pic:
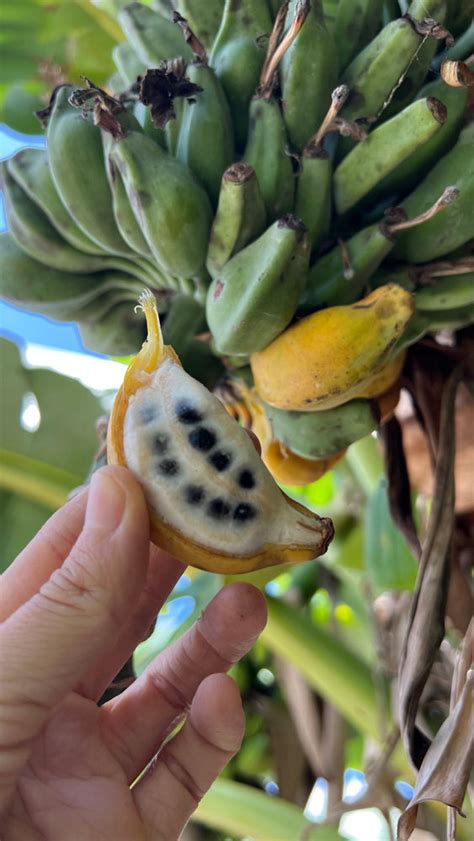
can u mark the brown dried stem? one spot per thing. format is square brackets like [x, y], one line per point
[276, 50]
[449, 195]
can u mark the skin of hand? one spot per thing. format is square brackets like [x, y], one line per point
[73, 607]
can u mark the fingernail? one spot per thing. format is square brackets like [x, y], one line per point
[105, 503]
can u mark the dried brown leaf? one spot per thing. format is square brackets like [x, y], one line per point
[426, 624]
[444, 773]
[399, 495]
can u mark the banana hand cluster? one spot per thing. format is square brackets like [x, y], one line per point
[297, 192]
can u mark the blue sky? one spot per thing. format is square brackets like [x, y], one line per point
[15, 323]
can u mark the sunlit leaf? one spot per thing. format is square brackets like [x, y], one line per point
[27, 517]
[389, 562]
[41, 43]
[317, 494]
[39, 468]
[329, 667]
[246, 812]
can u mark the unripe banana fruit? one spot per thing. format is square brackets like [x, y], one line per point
[255, 296]
[212, 503]
[317, 435]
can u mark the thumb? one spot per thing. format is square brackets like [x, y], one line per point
[50, 642]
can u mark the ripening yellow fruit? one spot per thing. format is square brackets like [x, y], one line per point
[326, 358]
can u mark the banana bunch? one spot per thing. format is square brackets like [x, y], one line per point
[293, 181]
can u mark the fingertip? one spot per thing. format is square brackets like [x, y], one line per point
[240, 609]
[116, 500]
[249, 602]
[122, 476]
[217, 713]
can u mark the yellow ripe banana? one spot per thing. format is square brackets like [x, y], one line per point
[288, 468]
[212, 502]
[326, 358]
[384, 378]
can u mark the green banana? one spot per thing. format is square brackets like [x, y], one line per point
[184, 320]
[446, 293]
[96, 309]
[413, 168]
[170, 206]
[402, 275]
[417, 327]
[340, 275]
[385, 148]
[461, 49]
[153, 37]
[127, 224]
[391, 10]
[267, 152]
[416, 73]
[460, 15]
[313, 201]
[256, 294]
[356, 24]
[143, 115]
[173, 127]
[308, 75]
[451, 319]
[30, 169]
[123, 213]
[206, 136]
[237, 57]
[204, 18]
[320, 434]
[127, 63]
[27, 283]
[240, 216]
[330, 12]
[76, 160]
[376, 71]
[439, 236]
[35, 235]
[119, 333]
[427, 321]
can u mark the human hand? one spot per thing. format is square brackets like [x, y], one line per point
[74, 605]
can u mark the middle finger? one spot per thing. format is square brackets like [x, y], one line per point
[163, 573]
[136, 722]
